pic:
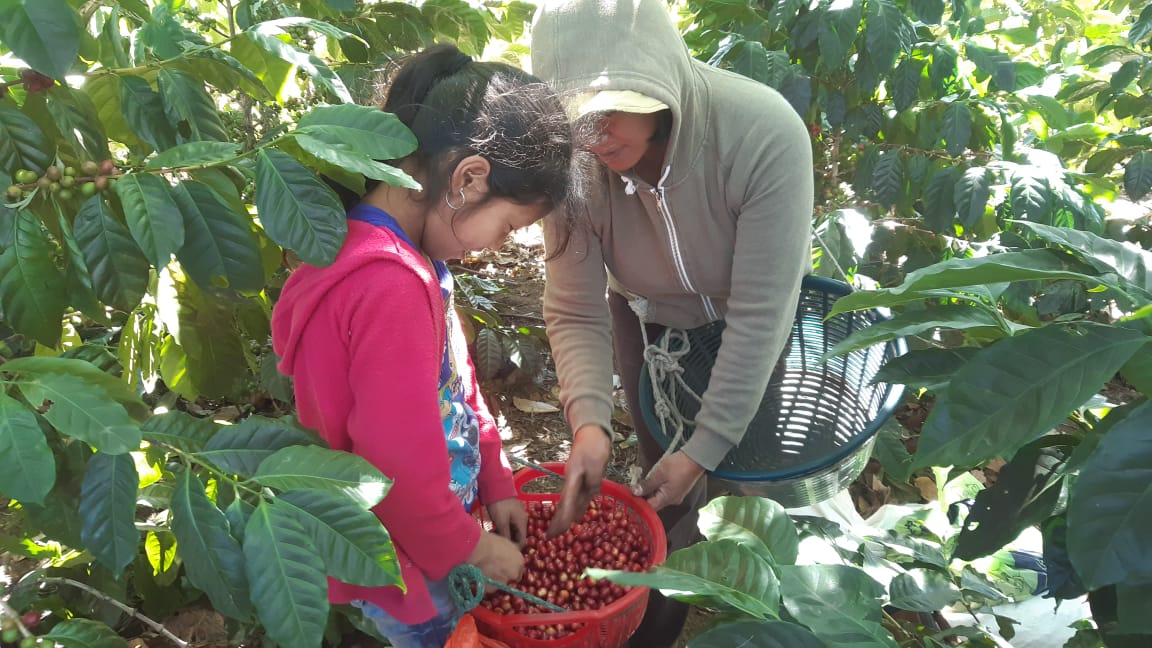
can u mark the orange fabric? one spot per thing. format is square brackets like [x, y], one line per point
[468, 636]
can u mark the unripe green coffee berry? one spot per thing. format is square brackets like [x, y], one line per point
[67, 181]
[53, 173]
[24, 176]
[69, 171]
[54, 187]
[10, 635]
[88, 189]
[15, 192]
[65, 194]
[89, 168]
[29, 642]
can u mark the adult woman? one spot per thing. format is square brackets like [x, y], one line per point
[705, 215]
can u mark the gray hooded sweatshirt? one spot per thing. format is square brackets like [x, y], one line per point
[725, 234]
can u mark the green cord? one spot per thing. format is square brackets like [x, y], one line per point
[466, 583]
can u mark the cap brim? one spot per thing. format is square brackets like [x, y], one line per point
[614, 101]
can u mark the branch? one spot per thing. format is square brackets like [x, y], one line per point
[158, 627]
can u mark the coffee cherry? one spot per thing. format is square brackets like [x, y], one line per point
[88, 189]
[69, 171]
[65, 194]
[29, 642]
[107, 167]
[10, 635]
[67, 181]
[24, 176]
[14, 193]
[30, 619]
[53, 173]
[89, 168]
[101, 183]
[54, 186]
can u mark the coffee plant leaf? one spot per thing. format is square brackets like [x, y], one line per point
[957, 127]
[923, 367]
[269, 40]
[83, 633]
[97, 378]
[1110, 504]
[722, 574]
[838, 603]
[108, 510]
[490, 354]
[316, 468]
[1130, 262]
[297, 210]
[205, 153]
[76, 119]
[153, 218]
[348, 158]
[43, 33]
[29, 467]
[142, 109]
[972, 192]
[1020, 387]
[756, 522]
[356, 548]
[239, 449]
[922, 590]
[371, 131]
[286, 573]
[190, 110]
[1138, 175]
[118, 268]
[213, 559]
[916, 322]
[757, 634]
[32, 289]
[180, 430]
[83, 410]
[220, 249]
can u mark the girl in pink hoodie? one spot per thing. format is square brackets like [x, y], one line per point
[380, 364]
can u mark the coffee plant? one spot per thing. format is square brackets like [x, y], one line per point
[164, 163]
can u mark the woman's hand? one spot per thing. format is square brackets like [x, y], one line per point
[510, 520]
[670, 480]
[591, 448]
[498, 558]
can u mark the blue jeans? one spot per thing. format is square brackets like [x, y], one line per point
[432, 633]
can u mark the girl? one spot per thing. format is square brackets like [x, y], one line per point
[380, 364]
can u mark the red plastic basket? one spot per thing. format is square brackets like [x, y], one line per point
[611, 625]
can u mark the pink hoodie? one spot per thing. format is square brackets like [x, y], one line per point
[364, 341]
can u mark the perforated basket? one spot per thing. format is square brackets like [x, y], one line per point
[611, 625]
[816, 424]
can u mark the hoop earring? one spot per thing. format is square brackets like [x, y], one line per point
[463, 200]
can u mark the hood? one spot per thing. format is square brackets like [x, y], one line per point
[304, 294]
[589, 45]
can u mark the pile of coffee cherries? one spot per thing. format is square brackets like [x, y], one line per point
[606, 538]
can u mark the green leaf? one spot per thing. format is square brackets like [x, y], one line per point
[180, 430]
[1142, 27]
[888, 178]
[721, 574]
[770, 67]
[195, 154]
[757, 634]
[1025, 493]
[905, 83]
[1020, 387]
[887, 32]
[347, 158]
[220, 248]
[837, 31]
[1105, 255]
[118, 268]
[83, 410]
[1030, 195]
[971, 195]
[940, 201]
[925, 367]
[995, 64]
[489, 357]
[1110, 508]
[213, 560]
[29, 467]
[369, 131]
[316, 468]
[321, 74]
[957, 127]
[77, 120]
[223, 71]
[1134, 610]
[287, 577]
[922, 590]
[96, 377]
[960, 272]
[31, 288]
[81, 292]
[839, 603]
[891, 452]
[239, 449]
[915, 322]
[153, 217]
[83, 633]
[759, 523]
[43, 33]
[215, 364]
[355, 547]
[942, 73]
[189, 108]
[1138, 370]
[108, 510]
[298, 211]
[143, 110]
[929, 12]
[1138, 175]
[22, 143]
[458, 21]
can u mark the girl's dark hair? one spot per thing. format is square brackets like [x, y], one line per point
[458, 107]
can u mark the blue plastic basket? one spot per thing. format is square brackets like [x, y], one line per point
[813, 433]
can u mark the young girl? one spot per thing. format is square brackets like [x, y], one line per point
[380, 364]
